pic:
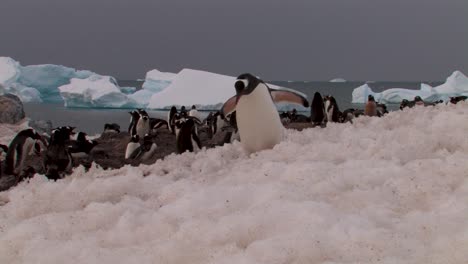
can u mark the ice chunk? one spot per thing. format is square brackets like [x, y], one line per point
[456, 85]
[47, 78]
[95, 91]
[9, 71]
[193, 87]
[338, 80]
[157, 81]
[128, 90]
[25, 94]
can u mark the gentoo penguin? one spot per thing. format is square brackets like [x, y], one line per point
[170, 116]
[257, 118]
[133, 122]
[147, 149]
[418, 101]
[132, 146]
[58, 160]
[156, 123]
[19, 149]
[456, 99]
[183, 112]
[194, 112]
[111, 128]
[82, 144]
[317, 110]
[298, 118]
[331, 109]
[143, 125]
[381, 109]
[371, 107]
[186, 135]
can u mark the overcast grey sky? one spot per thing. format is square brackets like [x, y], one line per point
[275, 39]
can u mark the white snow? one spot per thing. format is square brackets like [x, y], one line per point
[95, 91]
[455, 85]
[338, 80]
[381, 190]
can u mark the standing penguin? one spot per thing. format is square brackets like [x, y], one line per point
[186, 135]
[257, 118]
[371, 107]
[143, 125]
[82, 144]
[19, 149]
[170, 116]
[135, 116]
[58, 159]
[317, 110]
[332, 109]
[147, 149]
[132, 146]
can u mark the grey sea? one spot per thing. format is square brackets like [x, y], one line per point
[92, 120]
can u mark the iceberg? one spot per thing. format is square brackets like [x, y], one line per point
[10, 72]
[95, 91]
[338, 80]
[455, 85]
[206, 90]
[157, 81]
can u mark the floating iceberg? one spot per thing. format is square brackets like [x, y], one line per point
[338, 80]
[95, 91]
[206, 90]
[157, 81]
[36, 83]
[455, 85]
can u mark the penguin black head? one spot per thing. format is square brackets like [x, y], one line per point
[193, 107]
[135, 139]
[135, 115]
[245, 84]
[81, 136]
[371, 98]
[417, 99]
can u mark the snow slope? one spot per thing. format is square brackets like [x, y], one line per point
[388, 190]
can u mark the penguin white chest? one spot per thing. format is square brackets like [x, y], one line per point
[258, 121]
[131, 148]
[142, 127]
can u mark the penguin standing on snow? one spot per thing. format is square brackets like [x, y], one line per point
[317, 110]
[138, 151]
[170, 117]
[257, 118]
[143, 125]
[371, 107]
[135, 116]
[19, 149]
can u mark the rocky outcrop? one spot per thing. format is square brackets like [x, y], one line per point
[11, 109]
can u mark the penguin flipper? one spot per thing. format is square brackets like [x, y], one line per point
[229, 106]
[137, 153]
[289, 96]
[196, 138]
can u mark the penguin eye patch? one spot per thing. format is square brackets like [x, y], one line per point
[240, 85]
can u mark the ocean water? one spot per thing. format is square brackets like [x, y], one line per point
[92, 120]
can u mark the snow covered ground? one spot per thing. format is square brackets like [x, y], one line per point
[381, 190]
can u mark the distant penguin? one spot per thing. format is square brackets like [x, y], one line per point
[186, 136]
[111, 128]
[456, 99]
[194, 112]
[381, 109]
[132, 147]
[183, 112]
[156, 123]
[133, 122]
[170, 117]
[418, 101]
[82, 144]
[317, 110]
[143, 125]
[332, 110]
[19, 149]
[258, 120]
[58, 160]
[371, 107]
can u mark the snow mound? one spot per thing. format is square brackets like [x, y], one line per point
[381, 190]
[96, 91]
[204, 89]
[455, 85]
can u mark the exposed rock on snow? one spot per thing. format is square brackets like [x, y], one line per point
[11, 109]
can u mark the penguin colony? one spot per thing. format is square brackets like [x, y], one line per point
[250, 116]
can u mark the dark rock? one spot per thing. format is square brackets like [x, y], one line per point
[11, 109]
